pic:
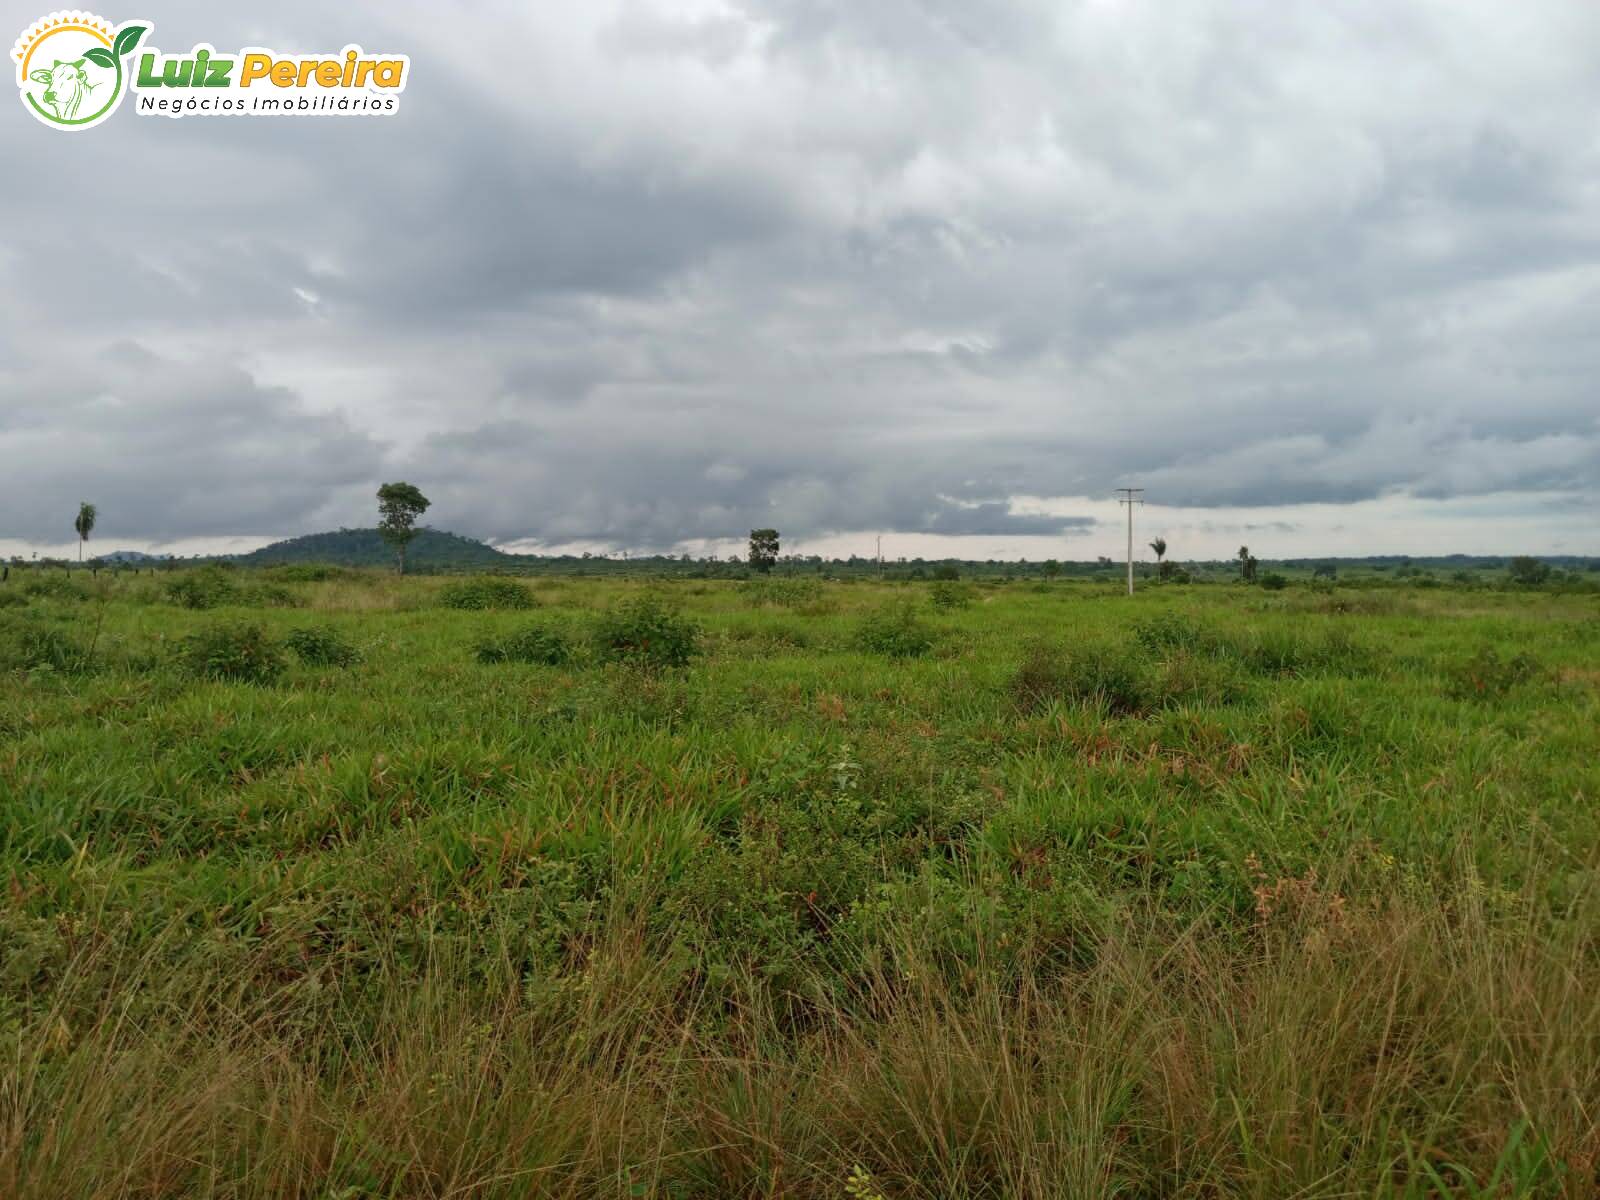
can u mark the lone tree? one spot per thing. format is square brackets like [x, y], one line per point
[84, 524]
[1163, 567]
[399, 506]
[763, 549]
[1247, 565]
[1526, 569]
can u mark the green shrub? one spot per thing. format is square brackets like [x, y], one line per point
[12, 599]
[645, 632]
[895, 632]
[535, 644]
[31, 646]
[480, 594]
[1487, 676]
[208, 587]
[267, 595]
[1294, 652]
[322, 646]
[54, 587]
[1169, 631]
[786, 592]
[1198, 679]
[1273, 582]
[238, 652]
[1106, 675]
[307, 573]
[947, 594]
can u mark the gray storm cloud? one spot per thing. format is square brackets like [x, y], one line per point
[674, 270]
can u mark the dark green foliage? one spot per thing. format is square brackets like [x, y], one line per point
[763, 549]
[1274, 582]
[1191, 678]
[429, 548]
[644, 631]
[486, 593]
[234, 652]
[32, 646]
[322, 646]
[1097, 673]
[267, 595]
[895, 632]
[534, 644]
[310, 573]
[52, 586]
[947, 571]
[1488, 676]
[1170, 631]
[947, 595]
[1278, 651]
[209, 587]
[786, 591]
[399, 507]
[1528, 571]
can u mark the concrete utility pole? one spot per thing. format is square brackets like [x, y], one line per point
[1130, 497]
[880, 556]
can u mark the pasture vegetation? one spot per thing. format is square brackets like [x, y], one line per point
[325, 883]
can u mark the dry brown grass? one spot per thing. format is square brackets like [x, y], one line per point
[1320, 1056]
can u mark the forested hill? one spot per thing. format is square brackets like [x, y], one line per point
[366, 548]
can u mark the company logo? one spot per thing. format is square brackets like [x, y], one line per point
[71, 68]
[74, 67]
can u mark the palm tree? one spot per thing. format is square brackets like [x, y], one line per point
[84, 525]
[1244, 559]
[1160, 547]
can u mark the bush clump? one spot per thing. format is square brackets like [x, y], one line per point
[948, 594]
[208, 587]
[535, 644]
[235, 652]
[307, 573]
[33, 647]
[322, 646]
[1487, 676]
[1290, 652]
[1273, 582]
[477, 595]
[645, 632]
[1097, 674]
[783, 592]
[268, 595]
[1168, 632]
[895, 632]
[54, 587]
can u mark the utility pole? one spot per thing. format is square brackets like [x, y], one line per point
[1130, 497]
[880, 556]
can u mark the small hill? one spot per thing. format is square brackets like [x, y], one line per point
[366, 548]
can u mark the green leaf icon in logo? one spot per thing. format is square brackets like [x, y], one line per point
[128, 38]
[100, 57]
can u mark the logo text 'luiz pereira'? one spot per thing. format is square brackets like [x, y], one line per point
[73, 69]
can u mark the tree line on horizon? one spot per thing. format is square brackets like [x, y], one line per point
[401, 505]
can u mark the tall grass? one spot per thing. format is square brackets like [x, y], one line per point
[1204, 894]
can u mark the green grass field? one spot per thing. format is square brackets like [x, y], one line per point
[891, 891]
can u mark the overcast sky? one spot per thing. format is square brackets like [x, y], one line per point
[1322, 277]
